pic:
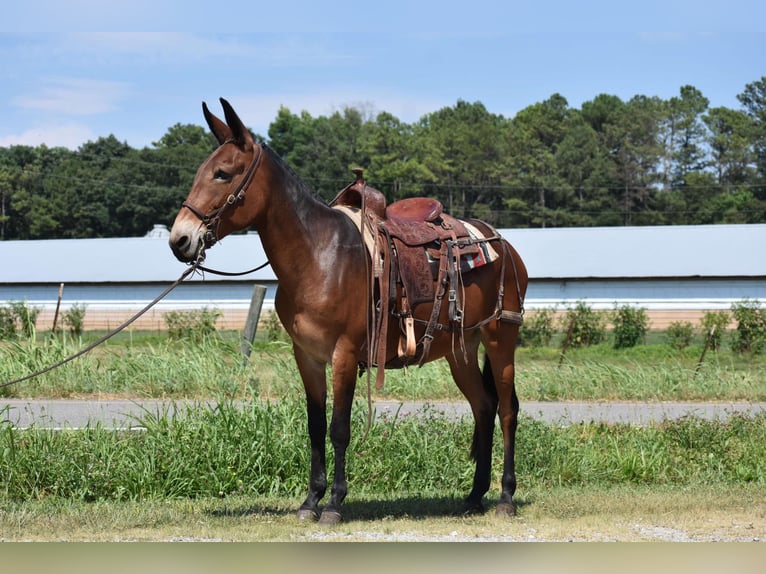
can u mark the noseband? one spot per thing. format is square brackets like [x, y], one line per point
[213, 219]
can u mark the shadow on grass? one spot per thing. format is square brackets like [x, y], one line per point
[408, 507]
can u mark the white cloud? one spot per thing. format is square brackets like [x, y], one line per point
[259, 111]
[246, 50]
[75, 96]
[70, 136]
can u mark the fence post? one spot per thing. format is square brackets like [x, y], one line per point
[567, 340]
[708, 343]
[251, 325]
[58, 306]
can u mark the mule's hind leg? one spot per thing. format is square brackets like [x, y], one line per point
[500, 343]
[315, 383]
[483, 401]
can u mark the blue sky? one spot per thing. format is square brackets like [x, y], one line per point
[62, 83]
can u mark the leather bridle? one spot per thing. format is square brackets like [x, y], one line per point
[212, 219]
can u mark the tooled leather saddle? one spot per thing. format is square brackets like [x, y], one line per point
[418, 254]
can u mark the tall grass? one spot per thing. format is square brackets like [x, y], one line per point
[261, 449]
[154, 366]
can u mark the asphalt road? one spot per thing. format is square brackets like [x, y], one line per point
[126, 414]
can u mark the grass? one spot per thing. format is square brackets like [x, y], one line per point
[255, 449]
[141, 365]
[230, 472]
[582, 513]
[238, 470]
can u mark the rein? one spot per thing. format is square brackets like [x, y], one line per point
[109, 335]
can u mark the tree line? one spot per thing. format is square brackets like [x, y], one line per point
[644, 161]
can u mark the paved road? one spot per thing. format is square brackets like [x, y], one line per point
[125, 414]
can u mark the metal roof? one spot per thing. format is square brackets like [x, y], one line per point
[553, 253]
[638, 252]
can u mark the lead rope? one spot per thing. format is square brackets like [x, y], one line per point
[194, 267]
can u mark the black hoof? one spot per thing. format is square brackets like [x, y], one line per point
[473, 508]
[505, 510]
[330, 518]
[308, 514]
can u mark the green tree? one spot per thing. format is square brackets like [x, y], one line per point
[729, 141]
[682, 135]
[397, 165]
[633, 144]
[534, 138]
[471, 155]
[753, 100]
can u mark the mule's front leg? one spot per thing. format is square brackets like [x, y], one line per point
[344, 383]
[314, 381]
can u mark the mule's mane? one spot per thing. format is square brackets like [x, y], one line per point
[296, 180]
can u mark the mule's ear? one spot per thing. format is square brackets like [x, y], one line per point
[220, 130]
[239, 133]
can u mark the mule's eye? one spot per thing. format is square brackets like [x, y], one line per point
[221, 175]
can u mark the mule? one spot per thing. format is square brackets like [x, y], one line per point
[322, 265]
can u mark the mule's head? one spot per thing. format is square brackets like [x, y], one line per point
[215, 206]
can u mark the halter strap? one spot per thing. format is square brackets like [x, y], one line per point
[212, 219]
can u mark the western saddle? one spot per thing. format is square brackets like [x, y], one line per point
[418, 255]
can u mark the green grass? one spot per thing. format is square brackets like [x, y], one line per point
[238, 470]
[557, 513]
[260, 449]
[149, 365]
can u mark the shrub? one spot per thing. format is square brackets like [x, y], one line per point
[715, 323]
[630, 326]
[18, 316]
[74, 318]
[26, 316]
[195, 325]
[7, 324]
[587, 325]
[679, 334]
[750, 333]
[274, 329]
[538, 328]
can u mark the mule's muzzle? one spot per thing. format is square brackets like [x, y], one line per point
[188, 246]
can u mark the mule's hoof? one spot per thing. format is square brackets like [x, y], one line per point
[473, 509]
[307, 515]
[330, 518]
[505, 510]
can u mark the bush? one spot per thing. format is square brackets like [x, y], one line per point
[538, 328]
[195, 325]
[679, 334]
[750, 334]
[18, 316]
[587, 325]
[7, 324]
[74, 318]
[630, 326]
[715, 323]
[274, 329]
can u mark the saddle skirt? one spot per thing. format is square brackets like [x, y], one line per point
[418, 255]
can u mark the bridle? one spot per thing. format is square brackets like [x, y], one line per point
[212, 220]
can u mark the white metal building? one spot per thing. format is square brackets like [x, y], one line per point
[670, 271]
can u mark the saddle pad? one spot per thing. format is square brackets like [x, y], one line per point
[355, 215]
[486, 253]
[477, 255]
